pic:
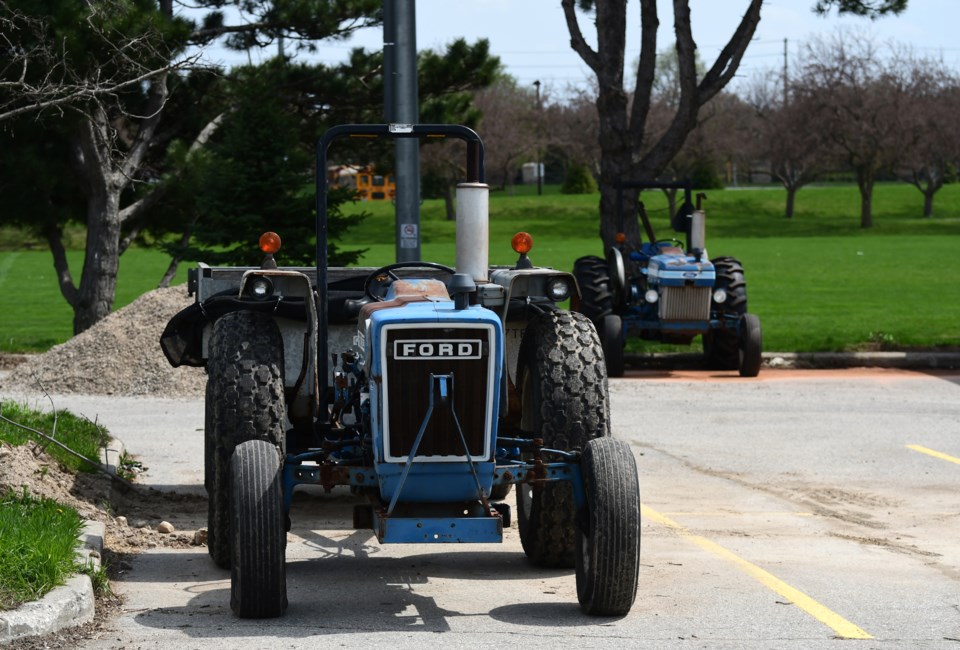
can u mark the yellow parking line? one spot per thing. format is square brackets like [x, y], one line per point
[728, 513]
[843, 628]
[935, 454]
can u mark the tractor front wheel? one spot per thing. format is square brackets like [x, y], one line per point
[608, 544]
[258, 579]
[721, 346]
[611, 335]
[751, 346]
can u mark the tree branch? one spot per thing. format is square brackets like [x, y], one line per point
[54, 236]
[725, 67]
[646, 69]
[577, 41]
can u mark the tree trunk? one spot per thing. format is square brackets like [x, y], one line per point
[98, 281]
[671, 202]
[928, 202]
[865, 183]
[791, 201]
[448, 202]
[176, 259]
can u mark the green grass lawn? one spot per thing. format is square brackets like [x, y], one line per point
[817, 281]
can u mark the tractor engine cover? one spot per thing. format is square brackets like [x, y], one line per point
[434, 368]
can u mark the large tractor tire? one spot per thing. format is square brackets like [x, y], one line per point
[245, 401]
[563, 390]
[596, 298]
[608, 544]
[751, 346]
[721, 348]
[258, 578]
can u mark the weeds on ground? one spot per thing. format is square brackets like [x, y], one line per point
[20, 424]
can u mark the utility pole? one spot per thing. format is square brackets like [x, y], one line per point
[785, 78]
[539, 179]
[402, 106]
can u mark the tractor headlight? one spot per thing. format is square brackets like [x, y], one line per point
[260, 288]
[720, 296]
[559, 289]
[651, 296]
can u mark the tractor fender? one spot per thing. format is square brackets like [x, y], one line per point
[292, 305]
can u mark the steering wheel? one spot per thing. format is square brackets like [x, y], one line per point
[669, 242]
[375, 286]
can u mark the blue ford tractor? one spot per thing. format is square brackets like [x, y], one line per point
[670, 291]
[428, 391]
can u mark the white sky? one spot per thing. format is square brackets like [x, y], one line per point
[531, 39]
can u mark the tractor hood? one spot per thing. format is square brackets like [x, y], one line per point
[680, 271]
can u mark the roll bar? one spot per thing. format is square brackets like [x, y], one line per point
[475, 174]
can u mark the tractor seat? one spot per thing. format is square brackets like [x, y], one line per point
[406, 292]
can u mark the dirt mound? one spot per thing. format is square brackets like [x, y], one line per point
[120, 355]
[131, 513]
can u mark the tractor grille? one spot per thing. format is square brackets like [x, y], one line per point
[685, 303]
[412, 356]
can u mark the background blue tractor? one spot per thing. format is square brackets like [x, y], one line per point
[428, 391]
[668, 290]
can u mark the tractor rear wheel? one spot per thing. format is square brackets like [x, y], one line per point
[593, 278]
[751, 346]
[258, 578]
[563, 391]
[245, 401]
[608, 544]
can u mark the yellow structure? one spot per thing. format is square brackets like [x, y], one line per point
[369, 185]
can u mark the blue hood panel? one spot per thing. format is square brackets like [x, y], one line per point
[680, 270]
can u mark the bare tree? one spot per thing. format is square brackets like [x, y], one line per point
[931, 107]
[859, 99]
[510, 127]
[573, 129]
[626, 152]
[786, 137]
[37, 73]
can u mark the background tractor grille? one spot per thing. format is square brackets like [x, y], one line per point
[685, 303]
[408, 395]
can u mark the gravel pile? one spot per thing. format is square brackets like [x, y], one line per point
[120, 355]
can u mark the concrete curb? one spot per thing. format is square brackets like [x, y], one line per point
[824, 360]
[66, 606]
[905, 360]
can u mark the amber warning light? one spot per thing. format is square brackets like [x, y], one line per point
[269, 242]
[522, 242]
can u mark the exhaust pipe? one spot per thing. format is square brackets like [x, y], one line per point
[473, 234]
[698, 230]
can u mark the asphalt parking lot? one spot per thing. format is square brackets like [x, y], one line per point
[805, 509]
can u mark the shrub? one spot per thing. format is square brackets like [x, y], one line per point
[578, 180]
